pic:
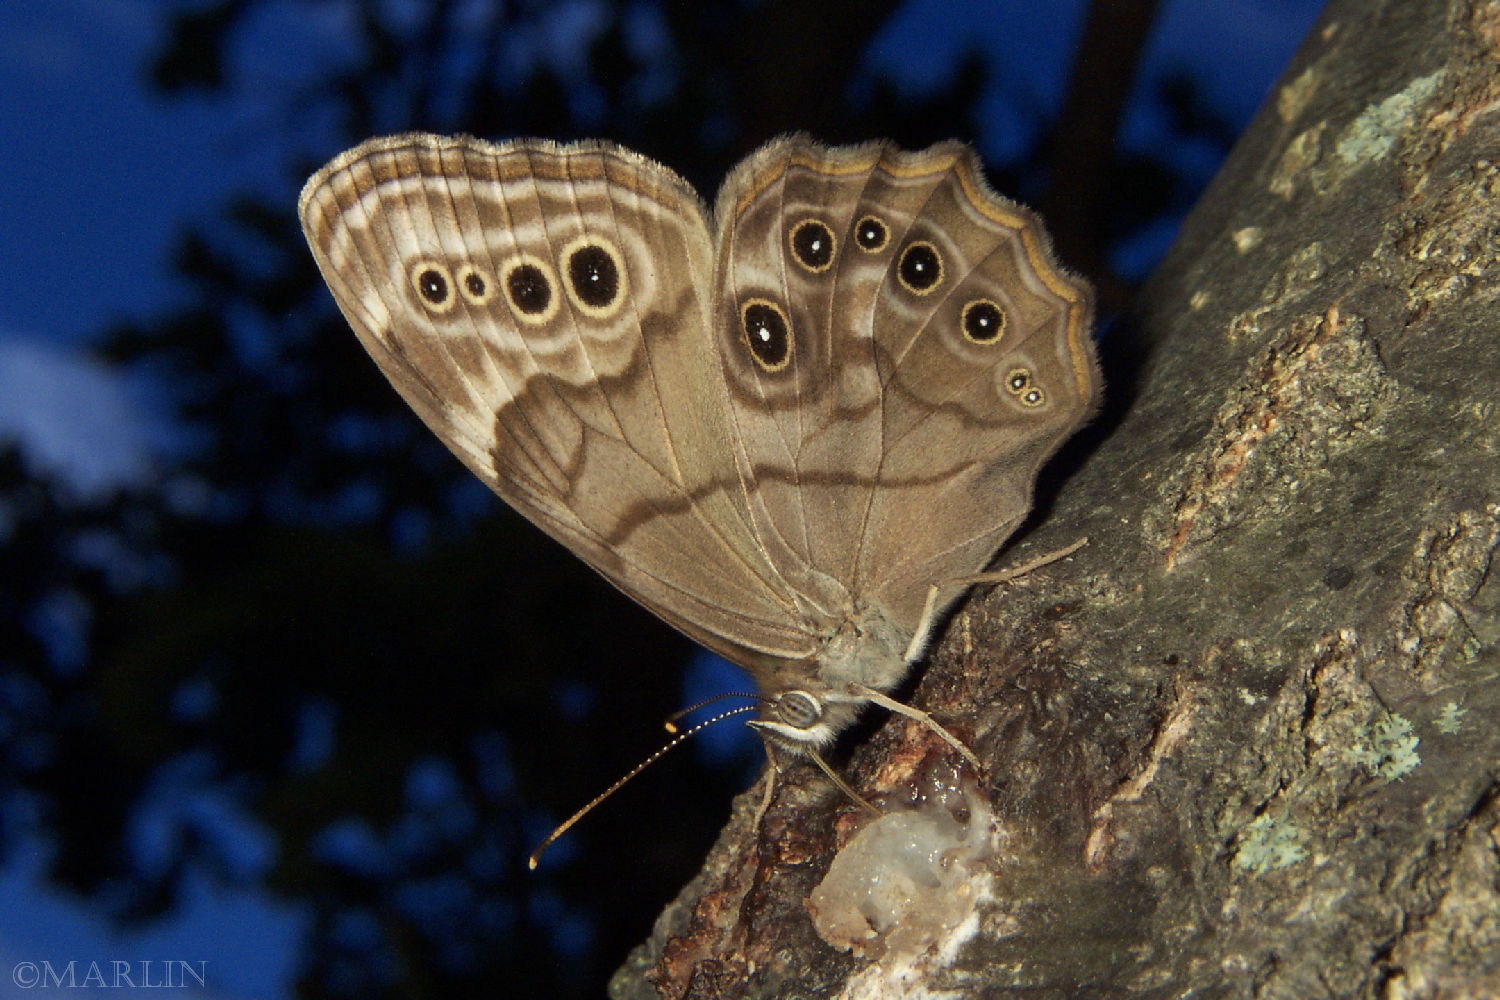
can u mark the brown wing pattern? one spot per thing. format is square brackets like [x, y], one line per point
[903, 375]
[833, 396]
[543, 308]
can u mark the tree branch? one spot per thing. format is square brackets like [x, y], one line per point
[1242, 744]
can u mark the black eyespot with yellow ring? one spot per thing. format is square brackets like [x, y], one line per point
[982, 321]
[766, 332]
[434, 285]
[920, 268]
[531, 288]
[1018, 383]
[871, 234]
[596, 277]
[475, 285]
[812, 244]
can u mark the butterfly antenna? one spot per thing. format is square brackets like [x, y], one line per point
[567, 824]
[670, 722]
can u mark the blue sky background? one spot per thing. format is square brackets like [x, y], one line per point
[100, 175]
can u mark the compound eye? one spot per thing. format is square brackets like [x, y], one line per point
[799, 709]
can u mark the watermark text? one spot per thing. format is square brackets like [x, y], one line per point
[162, 974]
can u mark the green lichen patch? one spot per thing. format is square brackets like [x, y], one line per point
[1387, 749]
[1270, 842]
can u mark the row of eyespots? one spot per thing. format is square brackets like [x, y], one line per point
[595, 271]
[813, 244]
[919, 270]
[768, 333]
[1018, 383]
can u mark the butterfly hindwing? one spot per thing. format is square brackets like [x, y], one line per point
[936, 355]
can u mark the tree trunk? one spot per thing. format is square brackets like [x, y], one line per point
[1244, 743]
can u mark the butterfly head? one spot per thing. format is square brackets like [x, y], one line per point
[799, 720]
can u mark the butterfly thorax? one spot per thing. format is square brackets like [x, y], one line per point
[810, 702]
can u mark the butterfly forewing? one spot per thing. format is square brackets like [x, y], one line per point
[543, 309]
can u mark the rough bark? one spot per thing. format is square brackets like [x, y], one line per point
[1244, 744]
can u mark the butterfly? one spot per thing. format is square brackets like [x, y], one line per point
[795, 425]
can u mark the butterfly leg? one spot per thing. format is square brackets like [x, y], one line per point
[1046, 559]
[843, 785]
[931, 609]
[772, 773]
[824, 766]
[923, 633]
[916, 714]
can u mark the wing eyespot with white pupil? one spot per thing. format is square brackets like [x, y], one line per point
[596, 276]
[475, 286]
[920, 267]
[982, 321]
[433, 283]
[1019, 383]
[530, 288]
[813, 245]
[765, 330]
[871, 234]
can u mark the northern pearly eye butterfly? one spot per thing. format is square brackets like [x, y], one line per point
[794, 426]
